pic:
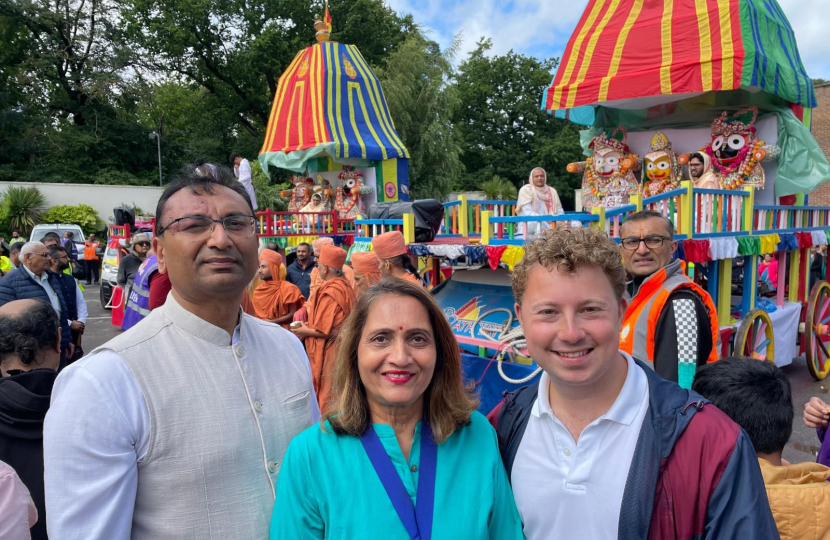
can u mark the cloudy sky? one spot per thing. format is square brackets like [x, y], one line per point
[542, 27]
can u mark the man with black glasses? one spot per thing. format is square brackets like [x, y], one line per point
[670, 320]
[177, 427]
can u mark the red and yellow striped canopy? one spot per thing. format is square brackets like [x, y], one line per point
[633, 49]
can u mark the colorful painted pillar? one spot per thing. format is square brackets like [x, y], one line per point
[724, 291]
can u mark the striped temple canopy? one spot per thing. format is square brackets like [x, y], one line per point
[329, 103]
[634, 54]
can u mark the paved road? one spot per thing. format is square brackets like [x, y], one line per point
[99, 329]
[803, 445]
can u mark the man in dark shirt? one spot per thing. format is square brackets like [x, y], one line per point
[670, 320]
[299, 272]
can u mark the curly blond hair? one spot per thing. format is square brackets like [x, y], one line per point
[568, 250]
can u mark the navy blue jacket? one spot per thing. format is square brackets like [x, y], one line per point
[299, 277]
[19, 285]
[694, 474]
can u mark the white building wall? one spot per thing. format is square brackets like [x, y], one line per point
[102, 198]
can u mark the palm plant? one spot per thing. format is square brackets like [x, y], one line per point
[22, 207]
[499, 189]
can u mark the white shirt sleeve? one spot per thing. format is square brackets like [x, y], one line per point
[95, 434]
[83, 313]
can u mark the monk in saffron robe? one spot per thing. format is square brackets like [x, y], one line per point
[393, 259]
[366, 271]
[333, 302]
[316, 281]
[275, 300]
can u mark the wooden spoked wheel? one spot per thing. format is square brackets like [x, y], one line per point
[754, 338]
[817, 330]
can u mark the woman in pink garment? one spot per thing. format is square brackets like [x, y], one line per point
[770, 266]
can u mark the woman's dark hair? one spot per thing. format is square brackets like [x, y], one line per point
[25, 334]
[199, 180]
[448, 403]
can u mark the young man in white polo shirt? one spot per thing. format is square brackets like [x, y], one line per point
[602, 447]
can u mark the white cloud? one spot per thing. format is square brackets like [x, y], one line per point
[542, 28]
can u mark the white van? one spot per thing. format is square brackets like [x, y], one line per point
[60, 228]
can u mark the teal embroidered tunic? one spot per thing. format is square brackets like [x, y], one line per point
[327, 488]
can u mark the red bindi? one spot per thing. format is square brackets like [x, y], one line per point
[400, 328]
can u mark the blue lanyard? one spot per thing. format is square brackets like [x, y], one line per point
[416, 519]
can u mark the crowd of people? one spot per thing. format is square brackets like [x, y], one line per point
[250, 398]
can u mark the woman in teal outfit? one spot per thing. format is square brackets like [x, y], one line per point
[401, 452]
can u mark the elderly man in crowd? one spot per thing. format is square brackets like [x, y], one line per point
[177, 428]
[33, 279]
[333, 302]
[30, 353]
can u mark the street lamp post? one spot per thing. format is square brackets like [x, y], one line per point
[157, 137]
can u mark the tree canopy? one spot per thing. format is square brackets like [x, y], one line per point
[83, 83]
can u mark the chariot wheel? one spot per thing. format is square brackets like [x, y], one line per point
[754, 338]
[817, 330]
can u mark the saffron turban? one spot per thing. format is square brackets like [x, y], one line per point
[318, 244]
[333, 257]
[389, 244]
[274, 260]
[365, 262]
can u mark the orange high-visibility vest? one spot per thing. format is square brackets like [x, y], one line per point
[90, 249]
[637, 336]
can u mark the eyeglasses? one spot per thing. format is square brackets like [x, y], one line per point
[195, 226]
[44, 255]
[653, 241]
[144, 244]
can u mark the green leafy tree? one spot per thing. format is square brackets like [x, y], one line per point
[421, 101]
[267, 192]
[504, 132]
[499, 189]
[82, 215]
[236, 50]
[21, 209]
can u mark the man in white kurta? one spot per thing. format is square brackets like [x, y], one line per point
[177, 427]
[243, 173]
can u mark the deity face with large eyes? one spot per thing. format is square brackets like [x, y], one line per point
[658, 168]
[727, 147]
[606, 162]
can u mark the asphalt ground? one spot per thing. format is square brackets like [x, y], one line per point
[803, 444]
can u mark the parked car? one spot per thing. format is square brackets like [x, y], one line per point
[60, 228]
[109, 272]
